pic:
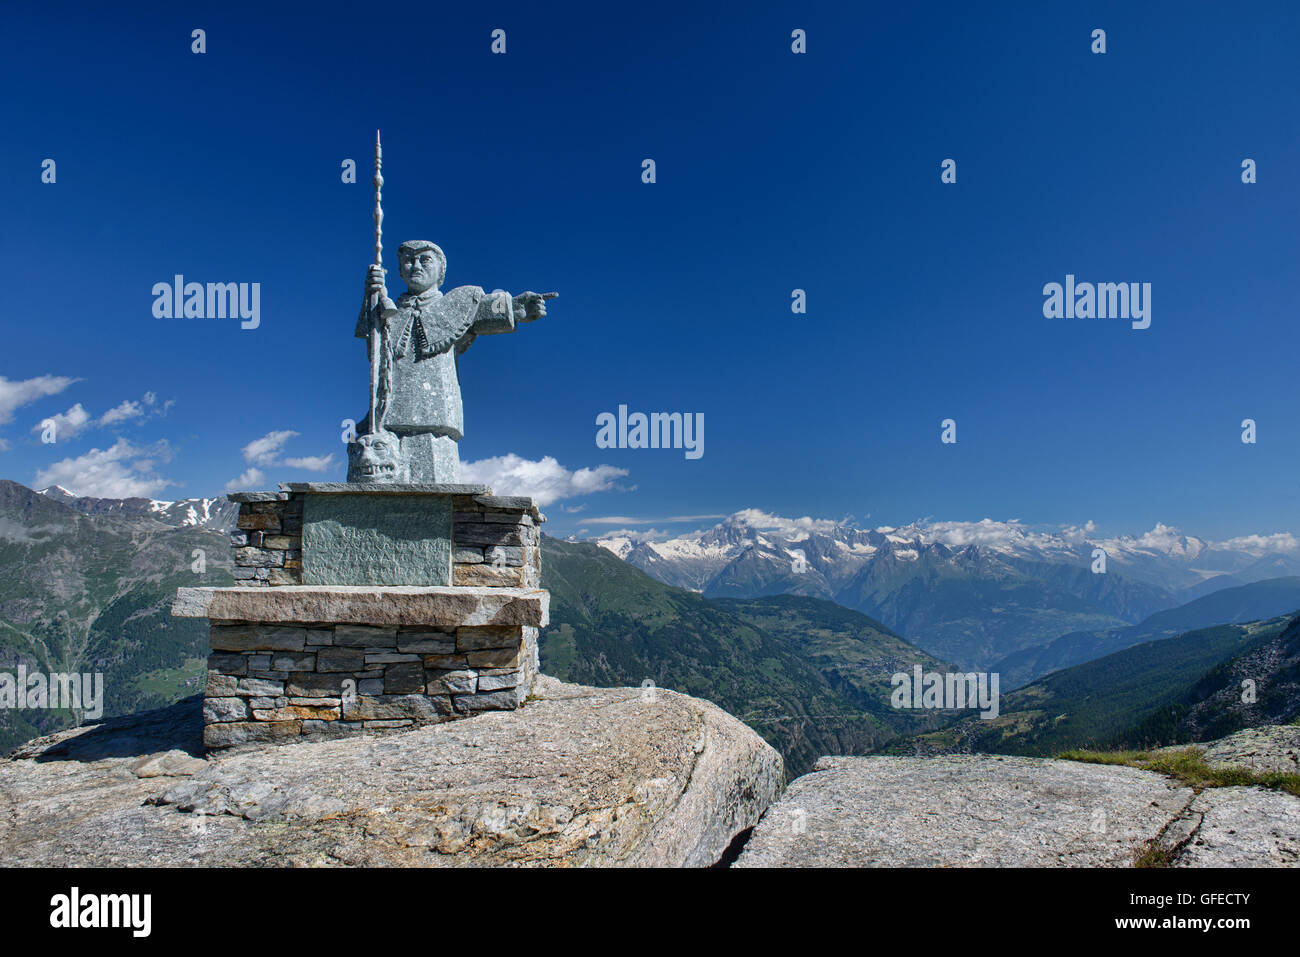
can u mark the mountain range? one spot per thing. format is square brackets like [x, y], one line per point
[972, 593]
[216, 513]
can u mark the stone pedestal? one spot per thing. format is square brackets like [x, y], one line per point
[370, 607]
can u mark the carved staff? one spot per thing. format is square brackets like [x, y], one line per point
[376, 341]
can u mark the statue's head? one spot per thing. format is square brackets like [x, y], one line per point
[422, 265]
[375, 458]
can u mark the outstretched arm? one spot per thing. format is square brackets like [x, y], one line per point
[500, 312]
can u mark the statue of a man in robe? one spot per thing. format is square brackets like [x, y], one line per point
[420, 338]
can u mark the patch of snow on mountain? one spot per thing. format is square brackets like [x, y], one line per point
[688, 548]
[1160, 541]
[620, 545]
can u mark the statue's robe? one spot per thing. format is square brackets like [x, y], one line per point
[420, 388]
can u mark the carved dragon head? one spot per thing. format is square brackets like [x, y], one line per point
[375, 458]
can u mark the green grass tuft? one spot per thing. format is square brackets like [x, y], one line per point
[1155, 856]
[1190, 768]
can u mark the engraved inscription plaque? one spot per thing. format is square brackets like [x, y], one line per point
[361, 539]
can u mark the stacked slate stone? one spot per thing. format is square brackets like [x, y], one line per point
[272, 682]
[495, 540]
[268, 539]
[369, 608]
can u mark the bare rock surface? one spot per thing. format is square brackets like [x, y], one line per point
[1241, 827]
[986, 810]
[1264, 749]
[578, 776]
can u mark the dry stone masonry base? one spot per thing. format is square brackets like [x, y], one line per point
[328, 660]
[277, 682]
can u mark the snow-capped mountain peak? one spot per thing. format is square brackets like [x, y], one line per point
[754, 550]
[56, 491]
[218, 513]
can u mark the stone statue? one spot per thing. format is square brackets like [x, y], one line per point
[420, 338]
[409, 435]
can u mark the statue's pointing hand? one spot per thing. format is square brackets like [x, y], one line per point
[531, 306]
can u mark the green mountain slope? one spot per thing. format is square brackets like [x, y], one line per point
[81, 593]
[1095, 705]
[1260, 686]
[852, 651]
[1254, 602]
[766, 661]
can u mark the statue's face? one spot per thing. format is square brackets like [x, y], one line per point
[374, 458]
[421, 271]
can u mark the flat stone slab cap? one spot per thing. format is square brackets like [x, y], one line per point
[504, 501]
[511, 502]
[241, 497]
[380, 488]
[368, 605]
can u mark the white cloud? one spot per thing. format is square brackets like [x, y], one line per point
[1010, 534]
[252, 478]
[984, 532]
[76, 420]
[121, 413]
[633, 535]
[546, 481]
[15, 394]
[128, 409]
[267, 449]
[1262, 544]
[790, 527]
[122, 471]
[629, 520]
[312, 463]
[1078, 534]
[1163, 538]
[66, 424]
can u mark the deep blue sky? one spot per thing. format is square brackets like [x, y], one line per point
[775, 171]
